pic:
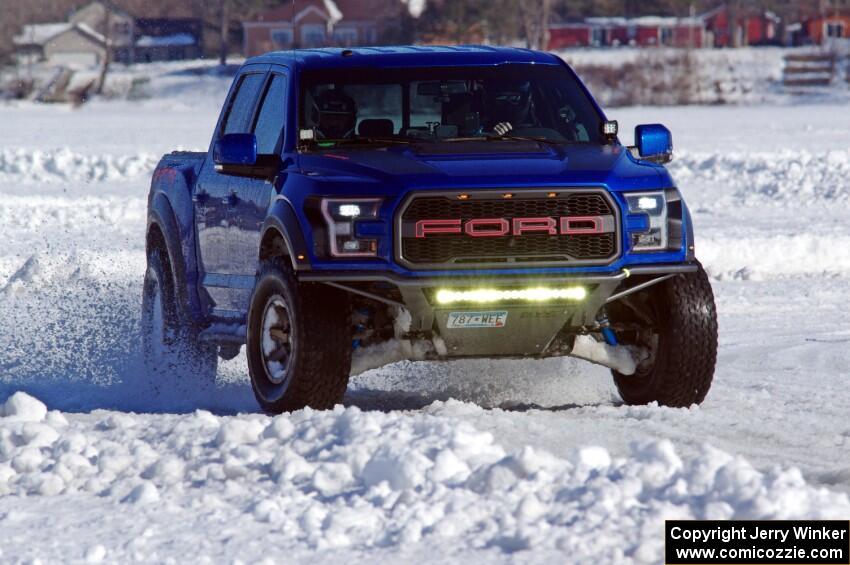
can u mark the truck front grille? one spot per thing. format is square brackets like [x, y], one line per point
[434, 249]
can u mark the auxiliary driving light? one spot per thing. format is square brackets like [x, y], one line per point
[483, 296]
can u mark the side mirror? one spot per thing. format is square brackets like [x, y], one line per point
[654, 143]
[235, 149]
[236, 154]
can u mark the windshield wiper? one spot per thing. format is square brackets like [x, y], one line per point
[323, 143]
[544, 140]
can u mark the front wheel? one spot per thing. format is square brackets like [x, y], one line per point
[299, 342]
[678, 327]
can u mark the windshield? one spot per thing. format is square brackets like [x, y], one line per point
[509, 102]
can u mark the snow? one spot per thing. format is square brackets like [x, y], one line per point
[665, 76]
[174, 40]
[38, 34]
[469, 461]
[23, 407]
[620, 359]
[356, 481]
[644, 21]
[415, 7]
[64, 165]
[333, 11]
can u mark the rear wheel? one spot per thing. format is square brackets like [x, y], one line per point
[299, 342]
[676, 322]
[171, 349]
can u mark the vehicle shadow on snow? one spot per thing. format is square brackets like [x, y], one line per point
[510, 385]
[392, 401]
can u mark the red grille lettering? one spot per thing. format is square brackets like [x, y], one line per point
[500, 227]
[424, 228]
[487, 227]
[582, 225]
[535, 225]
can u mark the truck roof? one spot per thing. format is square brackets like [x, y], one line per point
[404, 56]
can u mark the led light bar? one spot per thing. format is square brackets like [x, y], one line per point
[486, 295]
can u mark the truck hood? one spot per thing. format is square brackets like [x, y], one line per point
[468, 165]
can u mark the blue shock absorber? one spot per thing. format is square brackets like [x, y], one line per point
[610, 336]
[356, 343]
[607, 333]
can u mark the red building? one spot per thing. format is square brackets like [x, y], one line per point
[824, 28]
[567, 35]
[642, 32]
[711, 29]
[322, 23]
[751, 28]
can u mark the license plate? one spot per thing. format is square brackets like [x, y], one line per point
[471, 320]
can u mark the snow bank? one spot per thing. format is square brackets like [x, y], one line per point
[669, 76]
[62, 165]
[352, 480]
[78, 216]
[23, 407]
[785, 178]
[761, 257]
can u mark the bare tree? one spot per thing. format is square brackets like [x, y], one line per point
[224, 31]
[241, 8]
[536, 15]
[107, 55]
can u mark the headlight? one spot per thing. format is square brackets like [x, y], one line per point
[341, 214]
[653, 205]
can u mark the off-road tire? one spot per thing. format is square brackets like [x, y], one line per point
[681, 372]
[319, 364]
[170, 343]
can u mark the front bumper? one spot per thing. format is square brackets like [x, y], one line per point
[531, 328]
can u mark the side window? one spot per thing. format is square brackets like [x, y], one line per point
[272, 116]
[242, 104]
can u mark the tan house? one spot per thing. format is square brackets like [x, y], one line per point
[65, 44]
[100, 27]
[82, 40]
[110, 22]
[323, 23]
[79, 44]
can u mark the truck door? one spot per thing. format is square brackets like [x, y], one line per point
[213, 197]
[251, 197]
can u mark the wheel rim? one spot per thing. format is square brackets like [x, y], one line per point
[278, 343]
[157, 335]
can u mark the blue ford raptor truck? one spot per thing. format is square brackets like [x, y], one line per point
[360, 207]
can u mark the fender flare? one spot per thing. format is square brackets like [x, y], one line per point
[161, 214]
[690, 244]
[283, 220]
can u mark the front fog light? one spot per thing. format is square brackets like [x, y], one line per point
[340, 215]
[653, 205]
[484, 296]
